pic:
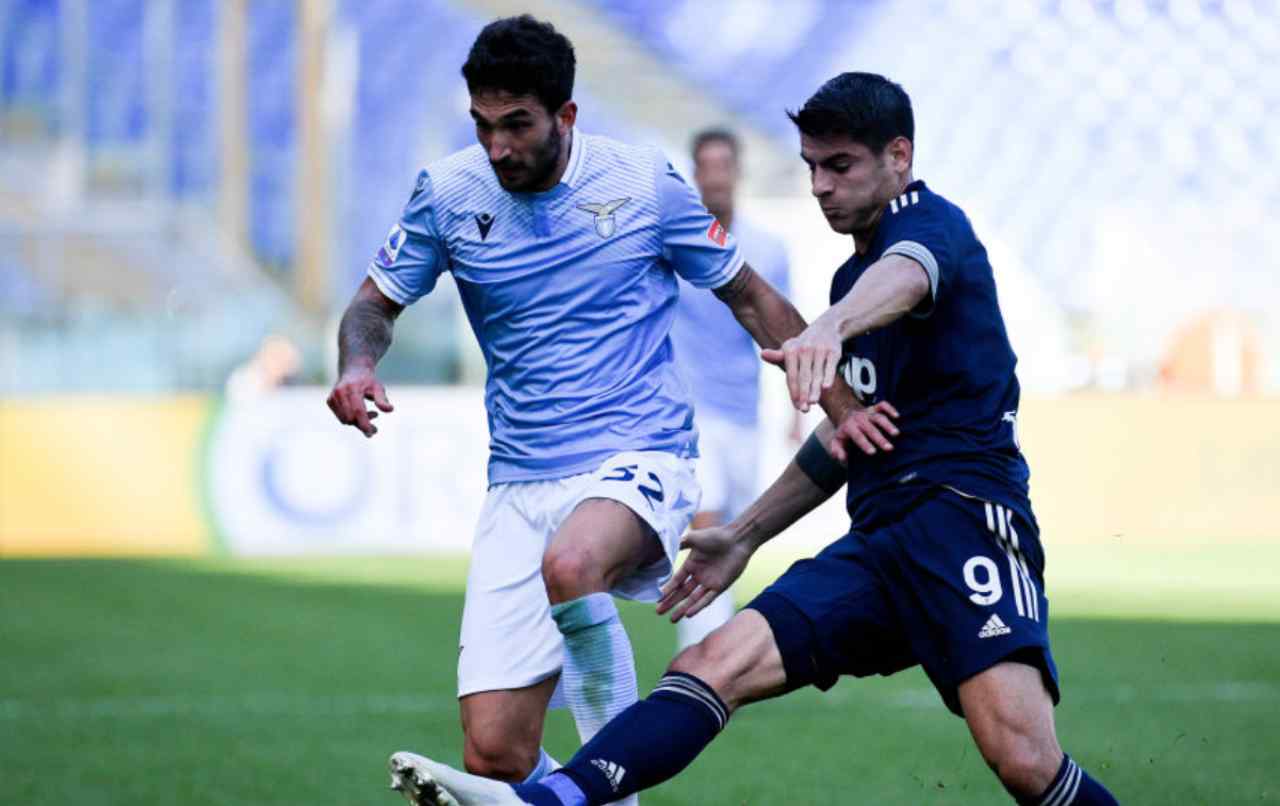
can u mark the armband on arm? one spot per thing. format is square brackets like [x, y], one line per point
[823, 470]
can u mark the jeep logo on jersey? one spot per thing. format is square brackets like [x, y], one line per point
[860, 374]
[390, 250]
[606, 224]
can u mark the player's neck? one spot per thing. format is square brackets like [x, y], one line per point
[863, 235]
[562, 165]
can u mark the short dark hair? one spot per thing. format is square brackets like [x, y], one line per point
[716, 134]
[522, 56]
[867, 108]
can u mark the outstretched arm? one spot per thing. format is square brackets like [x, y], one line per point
[771, 320]
[892, 287]
[717, 556]
[363, 338]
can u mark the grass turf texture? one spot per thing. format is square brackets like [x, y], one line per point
[289, 682]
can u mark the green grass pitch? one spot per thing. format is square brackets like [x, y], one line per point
[290, 681]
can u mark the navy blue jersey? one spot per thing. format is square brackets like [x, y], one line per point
[947, 367]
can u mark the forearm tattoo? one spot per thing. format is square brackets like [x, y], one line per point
[365, 332]
[734, 288]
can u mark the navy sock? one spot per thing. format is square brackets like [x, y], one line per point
[643, 746]
[1072, 786]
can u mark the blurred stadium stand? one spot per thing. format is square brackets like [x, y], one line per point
[1116, 155]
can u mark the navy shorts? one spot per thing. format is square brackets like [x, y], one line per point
[955, 585]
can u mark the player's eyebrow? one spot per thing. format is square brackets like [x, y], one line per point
[839, 155]
[514, 115]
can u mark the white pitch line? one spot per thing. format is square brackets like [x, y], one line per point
[267, 703]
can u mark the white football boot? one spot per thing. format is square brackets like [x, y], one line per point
[424, 782]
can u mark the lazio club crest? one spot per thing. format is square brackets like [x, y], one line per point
[606, 224]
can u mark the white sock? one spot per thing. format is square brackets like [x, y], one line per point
[545, 766]
[690, 631]
[599, 674]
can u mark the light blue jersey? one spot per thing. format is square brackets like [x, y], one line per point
[719, 359]
[571, 294]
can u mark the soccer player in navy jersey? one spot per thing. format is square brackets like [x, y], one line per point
[565, 248]
[942, 566]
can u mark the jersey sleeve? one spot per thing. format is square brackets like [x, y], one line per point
[697, 246]
[921, 232]
[407, 265]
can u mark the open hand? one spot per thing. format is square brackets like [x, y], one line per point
[347, 400]
[869, 429]
[716, 558]
[810, 361]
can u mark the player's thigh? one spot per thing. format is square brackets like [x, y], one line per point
[965, 581]
[832, 615]
[509, 640]
[741, 661]
[604, 538]
[626, 524]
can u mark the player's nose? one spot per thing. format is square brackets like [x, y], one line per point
[498, 149]
[820, 184]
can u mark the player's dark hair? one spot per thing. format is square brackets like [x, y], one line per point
[715, 134]
[522, 56]
[867, 108]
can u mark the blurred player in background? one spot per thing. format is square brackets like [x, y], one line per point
[275, 364]
[942, 566]
[722, 364]
[565, 249]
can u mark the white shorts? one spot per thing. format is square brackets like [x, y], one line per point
[509, 640]
[729, 466]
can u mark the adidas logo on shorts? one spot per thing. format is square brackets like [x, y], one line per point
[611, 771]
[994, 627]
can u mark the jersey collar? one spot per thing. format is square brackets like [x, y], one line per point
[577, 149]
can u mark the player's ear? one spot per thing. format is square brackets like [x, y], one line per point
[566, 116]
[900, 151]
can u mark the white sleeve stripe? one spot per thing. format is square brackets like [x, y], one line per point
[920, 254]
[389, 286]
[733, 267]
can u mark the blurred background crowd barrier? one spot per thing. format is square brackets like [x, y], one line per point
[191, 189]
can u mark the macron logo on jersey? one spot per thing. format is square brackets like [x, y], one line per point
[904, 201]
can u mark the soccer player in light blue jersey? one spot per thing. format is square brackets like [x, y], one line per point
[565, 248]
[722, 365]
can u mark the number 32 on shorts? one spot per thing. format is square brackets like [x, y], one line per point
[654, 494]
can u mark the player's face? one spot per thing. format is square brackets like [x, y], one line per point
[527, 145]
[715, 171]
[851, 182]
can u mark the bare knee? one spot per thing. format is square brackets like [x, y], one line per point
[1024, 765]
[492, 754]
[570, 572]
[739, 661]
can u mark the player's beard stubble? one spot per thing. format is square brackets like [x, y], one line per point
[542, 164]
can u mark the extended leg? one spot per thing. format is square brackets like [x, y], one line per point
[1010, 715]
